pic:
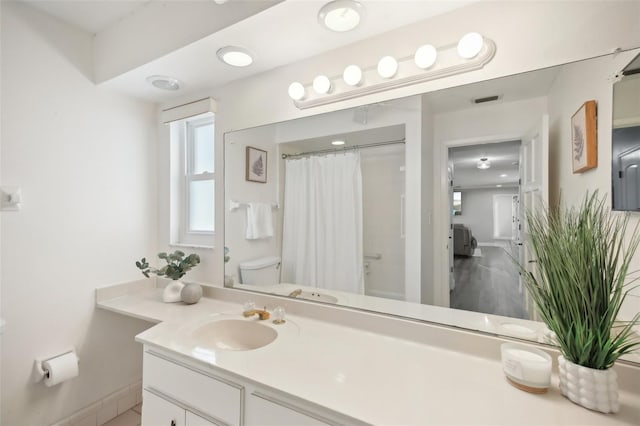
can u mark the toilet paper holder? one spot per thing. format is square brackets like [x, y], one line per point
[39, 373]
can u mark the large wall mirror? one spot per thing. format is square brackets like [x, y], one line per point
[625, 157]
[348, 207]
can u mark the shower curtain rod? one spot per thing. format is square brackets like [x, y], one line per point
[346, 148]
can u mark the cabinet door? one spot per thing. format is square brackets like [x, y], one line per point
[195, 420]
[157, 411]
[263, 410]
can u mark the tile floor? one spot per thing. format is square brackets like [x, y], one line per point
[131, 417]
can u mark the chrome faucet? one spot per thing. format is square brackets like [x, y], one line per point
[263, 314]
[295, 293]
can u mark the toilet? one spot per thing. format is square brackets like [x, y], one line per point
[261, 272]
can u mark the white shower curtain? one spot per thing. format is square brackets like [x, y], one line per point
[322, 235]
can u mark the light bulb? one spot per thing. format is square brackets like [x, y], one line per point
[387, 67]
[296, 91]
[352, 75]
[425, 56]
[321, 84]
[470, 45]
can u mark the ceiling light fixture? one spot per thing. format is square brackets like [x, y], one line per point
[483, 164]
[235, 56]
[163, 82]
[503, 175]
[337, 143]
[341, 15]
[472, 53]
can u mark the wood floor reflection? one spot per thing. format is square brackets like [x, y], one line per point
[488, 283]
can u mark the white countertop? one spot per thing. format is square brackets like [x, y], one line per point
[375, 378]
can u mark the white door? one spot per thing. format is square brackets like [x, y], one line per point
[534, 185]
[515, 216]
[452, 280]
[503, 217]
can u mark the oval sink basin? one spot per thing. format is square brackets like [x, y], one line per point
[234, 335]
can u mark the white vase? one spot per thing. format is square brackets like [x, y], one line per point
[593, 389]
[171, 292]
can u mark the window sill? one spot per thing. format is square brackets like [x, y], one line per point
[195, 246]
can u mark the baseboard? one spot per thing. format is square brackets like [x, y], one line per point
[493, 244]
[107, 408]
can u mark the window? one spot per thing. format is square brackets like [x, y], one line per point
[193, 181]
[457, 203]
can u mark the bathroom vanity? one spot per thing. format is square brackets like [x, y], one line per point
[349, 368]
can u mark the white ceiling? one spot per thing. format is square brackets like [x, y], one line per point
[504, 158]
[285, 33]
[92, 16]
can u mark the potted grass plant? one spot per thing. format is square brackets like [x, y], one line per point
[583, 257]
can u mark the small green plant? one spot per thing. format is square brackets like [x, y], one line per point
[177, 265]
[226, 255]
[583, 257]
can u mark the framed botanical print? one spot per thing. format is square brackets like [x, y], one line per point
[256, 166]
[584, 138]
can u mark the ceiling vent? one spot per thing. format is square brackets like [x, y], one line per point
[486, 99]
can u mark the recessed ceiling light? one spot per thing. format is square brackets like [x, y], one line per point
[235, 56]
[341, 15]
[337, 143]
[163, 82]
[498, 186]
[503, 175]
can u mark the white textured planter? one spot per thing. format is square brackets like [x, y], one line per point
[593, 389]
[171, 292]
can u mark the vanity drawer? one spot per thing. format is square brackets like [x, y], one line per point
[213, 396]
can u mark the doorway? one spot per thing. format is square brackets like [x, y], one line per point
[485, 216]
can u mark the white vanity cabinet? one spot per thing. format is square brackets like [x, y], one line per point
[162, 412]
[179, 392]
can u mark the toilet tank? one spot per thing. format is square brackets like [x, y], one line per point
[263, 271]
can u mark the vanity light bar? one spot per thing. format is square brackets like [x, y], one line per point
[395, 73]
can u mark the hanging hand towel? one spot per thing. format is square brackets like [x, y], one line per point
[259, 221]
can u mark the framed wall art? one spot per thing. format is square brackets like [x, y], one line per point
[584, 138]
[256, 166]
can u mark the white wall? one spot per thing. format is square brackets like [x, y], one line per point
[84, 159]
[574, 85]
[382, 188]
[477, 212]
[240, 190]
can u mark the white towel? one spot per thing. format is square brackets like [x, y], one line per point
[259, 221]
